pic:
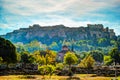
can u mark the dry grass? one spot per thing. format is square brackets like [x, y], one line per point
[39, 77]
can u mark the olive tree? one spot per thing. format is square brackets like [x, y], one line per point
[70, 59]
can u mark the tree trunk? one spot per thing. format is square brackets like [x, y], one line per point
[70, 73]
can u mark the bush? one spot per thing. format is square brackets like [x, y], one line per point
[46, 69]
[59, 66]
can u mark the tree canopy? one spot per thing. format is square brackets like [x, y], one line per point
[7, 51]
[45, 57]
[26, 57]
[87, 62]
[70, 58]
[115, 55]
[97, 55]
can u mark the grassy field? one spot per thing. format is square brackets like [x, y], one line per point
[39, 77]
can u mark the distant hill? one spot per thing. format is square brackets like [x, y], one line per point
[60, 33]
[49, 34]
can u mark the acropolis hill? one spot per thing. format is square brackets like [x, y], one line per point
[49, 34]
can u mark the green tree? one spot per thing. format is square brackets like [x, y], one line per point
[40, 60]
[83, 55]
[113, 42]
[34, 45]
[18, 57]
[51, 69]
[1, 59]
[118, 43]
[87, 62]
[7, 51]
[59, 66]
[31, 59]
[54, 45]
[50, 57]
[20, 47]
[26, 57]
[69, 59]
[46, 70]
[45, 57]
[101, 41]
[115, 55]
[108, 60]
[97, 55]
[43, 70]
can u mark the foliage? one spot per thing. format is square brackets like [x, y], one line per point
[83, 54]
[54, 46]
[45, 57]
[27, 58]
[50, 57]
[40, 59]
[103, 42]
[113, 42]
[46, 69]
[78, 56]
[70, 58]
[51, 69]
[31, 59]
[59, 66]
[43, 70]
[20, 47]
[97, 55]
[18, 57]
[24, 57]
[7, 51]
[1, 59]
[87, 62]
[32, 46]
[115, 55]
[107, 60]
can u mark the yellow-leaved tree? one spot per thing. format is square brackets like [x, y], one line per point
[50, 57]
[45, 57]
[70, 59]
[87, 62]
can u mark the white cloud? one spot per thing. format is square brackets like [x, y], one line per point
[27, 10]
[3, 26]
[55, 20]
[77, 7]
[31, 7]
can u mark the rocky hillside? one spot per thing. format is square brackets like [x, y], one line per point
[49, 34]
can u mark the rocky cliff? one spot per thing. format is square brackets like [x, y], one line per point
[49, 34]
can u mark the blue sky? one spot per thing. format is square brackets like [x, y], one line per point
[15, 14]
